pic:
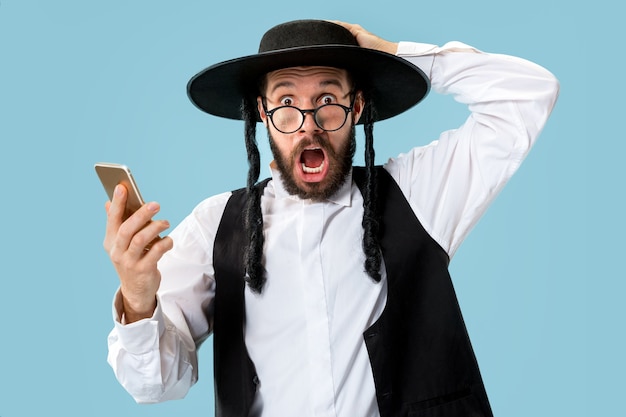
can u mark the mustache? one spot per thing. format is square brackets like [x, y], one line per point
[313, 141]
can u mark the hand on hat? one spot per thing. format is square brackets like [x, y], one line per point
[369, 40]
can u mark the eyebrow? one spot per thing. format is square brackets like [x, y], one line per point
[325, 83]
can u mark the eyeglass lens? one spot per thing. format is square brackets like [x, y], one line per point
[328, 117]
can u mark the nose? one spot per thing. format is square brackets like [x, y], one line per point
[309, 124]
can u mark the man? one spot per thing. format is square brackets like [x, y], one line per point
[326, 287]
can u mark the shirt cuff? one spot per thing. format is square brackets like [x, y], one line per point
[423, 54]
[420, 49]
[420, 54]
[415, 48]
[141, 336]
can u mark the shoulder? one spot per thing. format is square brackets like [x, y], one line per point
[204, 219]
[216, 202]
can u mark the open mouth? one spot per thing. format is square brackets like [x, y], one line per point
[312, 161]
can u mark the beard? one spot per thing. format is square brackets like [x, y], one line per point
[340, 165]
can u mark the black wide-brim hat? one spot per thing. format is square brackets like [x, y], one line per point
[392, 83]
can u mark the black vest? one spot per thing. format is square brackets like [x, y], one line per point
[419, 350]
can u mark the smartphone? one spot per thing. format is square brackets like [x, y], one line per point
[111, 175]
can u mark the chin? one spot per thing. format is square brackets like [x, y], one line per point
[322, 185]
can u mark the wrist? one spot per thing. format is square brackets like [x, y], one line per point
[391, 47]
[137, 310]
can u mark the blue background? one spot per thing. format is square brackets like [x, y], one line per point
[540, 278]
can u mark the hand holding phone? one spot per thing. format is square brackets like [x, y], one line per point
[127, 241]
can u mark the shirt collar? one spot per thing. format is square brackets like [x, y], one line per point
[342, 197]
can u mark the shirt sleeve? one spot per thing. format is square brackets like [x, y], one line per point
[450, 182]
[155, 359]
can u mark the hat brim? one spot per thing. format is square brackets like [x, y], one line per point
[393, 83]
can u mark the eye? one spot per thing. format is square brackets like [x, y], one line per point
[327, 99]
[286, 101]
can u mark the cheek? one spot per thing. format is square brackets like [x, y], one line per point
[283, 145]
[338, 141]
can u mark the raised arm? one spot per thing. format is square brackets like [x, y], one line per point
[450, 182]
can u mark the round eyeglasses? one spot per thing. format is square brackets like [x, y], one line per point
[328, 117]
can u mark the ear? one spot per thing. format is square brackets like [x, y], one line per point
[357, 109]
[259, 105]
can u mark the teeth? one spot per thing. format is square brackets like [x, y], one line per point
[310, 170]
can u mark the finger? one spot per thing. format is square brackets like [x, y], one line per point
[352, 27]
[136, 222]
[147, 237]
[115, 213]
[157, 249]
[117, 205]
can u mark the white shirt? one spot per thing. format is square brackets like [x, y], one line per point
[304, 333]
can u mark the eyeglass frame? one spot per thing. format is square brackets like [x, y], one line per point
[346, 109]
